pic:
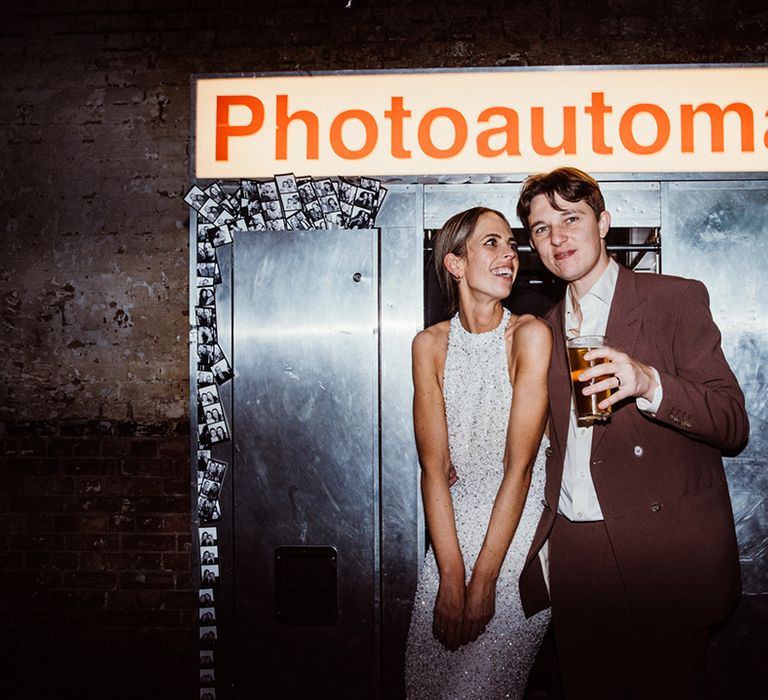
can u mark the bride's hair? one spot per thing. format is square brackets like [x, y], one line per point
[452, 238]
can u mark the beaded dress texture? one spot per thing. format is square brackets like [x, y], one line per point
[478, 396]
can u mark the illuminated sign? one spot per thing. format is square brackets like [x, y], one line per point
[696, 119]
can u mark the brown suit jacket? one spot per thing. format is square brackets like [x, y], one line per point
[660, 480]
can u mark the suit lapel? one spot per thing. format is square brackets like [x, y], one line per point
[623, 329]
[559, 379]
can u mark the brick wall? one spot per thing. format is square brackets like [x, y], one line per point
[94, 123]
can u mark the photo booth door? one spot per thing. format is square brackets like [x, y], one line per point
[305, 426]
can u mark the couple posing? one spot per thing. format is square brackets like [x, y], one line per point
[623, 530]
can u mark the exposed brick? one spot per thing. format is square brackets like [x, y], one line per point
[31, 447]
[93, 542]
[100, 397]
[66, 523]
[37, 523]
[146, 542]
[177, 523]
[103, 580]
[122, 523]
[50, 485]
[143, 448]
[176, 562]
[11, 560]
[115, 447]
[20, 466]
[158, 504]
[60, 447]
[120, 561]
[94, 523]
[150, 580]
[43, 504]
[44, 559]
[86, 448]
[147, 486]
[148, 467]
[176, 486]
[150, 524]
[99, 465]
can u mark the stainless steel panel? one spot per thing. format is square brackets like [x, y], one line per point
[717, 232]
[635, 204]
[632, 204]
[402, 524]
[443, 201]
[305, 414]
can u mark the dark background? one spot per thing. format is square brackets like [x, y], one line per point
[95, 561]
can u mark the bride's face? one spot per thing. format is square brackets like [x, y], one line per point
[490, 264]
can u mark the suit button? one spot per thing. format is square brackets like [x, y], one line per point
[655, 507]
[548, 451]
[638, 451]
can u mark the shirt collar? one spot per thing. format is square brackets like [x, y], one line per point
[601, 292]
[606, 283]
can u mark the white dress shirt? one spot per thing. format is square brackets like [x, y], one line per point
[578, 498]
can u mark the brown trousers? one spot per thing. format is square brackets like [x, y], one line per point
[598, 648]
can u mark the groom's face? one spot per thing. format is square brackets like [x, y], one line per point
[569, 238]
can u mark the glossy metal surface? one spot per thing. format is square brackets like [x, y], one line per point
[630, 203]
[306, 462]
[716, 232]
[402, 528]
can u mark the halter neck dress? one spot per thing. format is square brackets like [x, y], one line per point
[478, 396]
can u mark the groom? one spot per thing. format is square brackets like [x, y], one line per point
[636, 549]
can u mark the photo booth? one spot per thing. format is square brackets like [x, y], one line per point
[305, 467]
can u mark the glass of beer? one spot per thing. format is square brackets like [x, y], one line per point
[586, 406]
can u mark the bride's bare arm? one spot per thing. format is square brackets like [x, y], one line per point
[531, 351]
[432, 445]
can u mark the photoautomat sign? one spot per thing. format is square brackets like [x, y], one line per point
[693, 119]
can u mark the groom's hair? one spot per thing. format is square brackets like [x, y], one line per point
[572, 184]
[452, 238]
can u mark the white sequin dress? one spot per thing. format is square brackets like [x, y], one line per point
[478, 395]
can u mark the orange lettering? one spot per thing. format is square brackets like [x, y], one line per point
[397, 114]
[425, 133]
[371, 134]
[716, 116]
[567, 145]
[511, 129]
[598, 109]
[662, 129]
[765, 136]
[283, 119]
[224, 130]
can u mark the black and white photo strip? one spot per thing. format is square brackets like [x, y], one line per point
[207, 621]
[210, 477]
[284, 202]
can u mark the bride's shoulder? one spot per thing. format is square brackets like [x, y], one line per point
[526, 332]
[428, 352]
[432, 339]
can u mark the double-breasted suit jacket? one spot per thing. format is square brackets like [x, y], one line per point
[660, 480]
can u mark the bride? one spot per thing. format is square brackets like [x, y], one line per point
[480, 406]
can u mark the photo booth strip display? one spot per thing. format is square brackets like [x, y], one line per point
[283, 203]
[224, 207]
[210, 479]
[209, 577]
[218, 216]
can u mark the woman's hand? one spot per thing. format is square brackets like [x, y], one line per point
[479, 608]
[447, 621]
